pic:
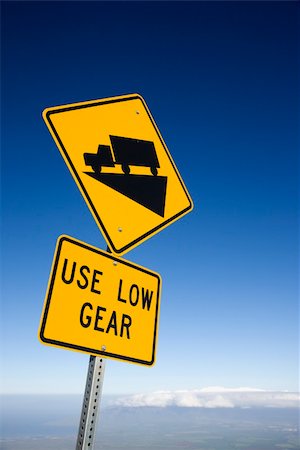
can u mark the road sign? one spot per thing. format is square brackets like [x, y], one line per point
[99, 304]
[122, 167]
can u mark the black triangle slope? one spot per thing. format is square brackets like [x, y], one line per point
[147, 190]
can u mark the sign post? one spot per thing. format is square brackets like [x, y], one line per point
[114, 312]
[91, 403]
[123, 168]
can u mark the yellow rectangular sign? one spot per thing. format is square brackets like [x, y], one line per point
[99, 304]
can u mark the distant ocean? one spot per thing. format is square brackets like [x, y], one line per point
[42, 422]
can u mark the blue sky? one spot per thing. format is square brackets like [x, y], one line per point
[221, 81]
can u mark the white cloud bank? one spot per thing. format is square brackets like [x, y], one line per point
[213, 397]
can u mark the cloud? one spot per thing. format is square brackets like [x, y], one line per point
[213, 397]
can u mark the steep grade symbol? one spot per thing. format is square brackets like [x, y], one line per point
[147, 190]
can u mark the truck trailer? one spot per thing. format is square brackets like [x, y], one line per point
[126, 152]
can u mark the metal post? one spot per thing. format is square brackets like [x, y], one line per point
[91, 403]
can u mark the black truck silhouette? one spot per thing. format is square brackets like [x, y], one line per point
[124, 151]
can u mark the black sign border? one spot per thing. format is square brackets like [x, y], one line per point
[91, 351]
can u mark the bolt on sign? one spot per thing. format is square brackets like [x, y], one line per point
[122, 167]
[99, 304]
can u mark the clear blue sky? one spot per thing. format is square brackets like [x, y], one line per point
[221, 81]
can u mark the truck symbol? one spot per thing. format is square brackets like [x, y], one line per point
[125, 151]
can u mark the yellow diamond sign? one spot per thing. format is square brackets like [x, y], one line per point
[100, 304]
[122, 167]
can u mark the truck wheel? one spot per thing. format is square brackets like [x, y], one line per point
[126, 169]
[154, 171]
[96, 169]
